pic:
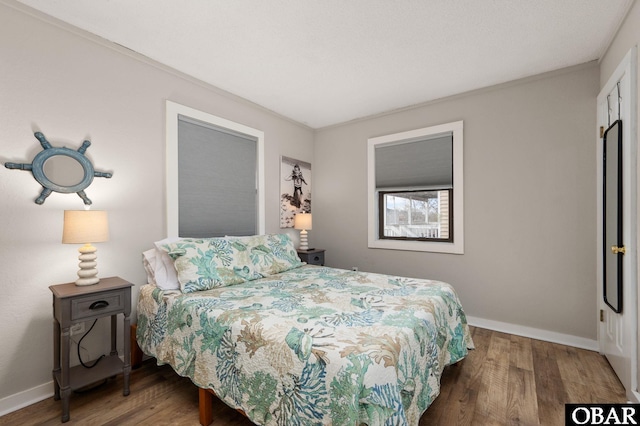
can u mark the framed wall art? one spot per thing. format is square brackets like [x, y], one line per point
[295, 189]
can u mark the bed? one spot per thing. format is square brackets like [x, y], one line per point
[289, 343]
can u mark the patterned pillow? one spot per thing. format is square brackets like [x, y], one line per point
[270, 254]
[206, 263]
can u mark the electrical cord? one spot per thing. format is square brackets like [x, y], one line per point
[80, 341]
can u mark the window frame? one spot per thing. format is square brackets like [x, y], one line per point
[456, 245]
[173, 111]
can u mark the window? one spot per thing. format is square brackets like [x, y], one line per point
[415, 184]
[207, 196]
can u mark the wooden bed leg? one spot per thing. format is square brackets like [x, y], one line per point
[136, 352]
[205, 402]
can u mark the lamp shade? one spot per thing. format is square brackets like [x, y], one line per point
[302, 221]
[85, 226]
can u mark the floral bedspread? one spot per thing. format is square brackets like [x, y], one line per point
[312, 345]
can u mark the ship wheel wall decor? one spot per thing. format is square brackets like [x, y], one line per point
[61, 170]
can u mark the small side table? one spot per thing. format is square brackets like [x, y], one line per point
[312, 257]
[73, 304]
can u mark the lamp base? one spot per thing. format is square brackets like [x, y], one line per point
[87, 281]
[304, 244]
[88, 274]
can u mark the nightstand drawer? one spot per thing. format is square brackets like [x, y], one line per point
[97, 304]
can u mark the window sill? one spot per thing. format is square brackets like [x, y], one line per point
[457, 247]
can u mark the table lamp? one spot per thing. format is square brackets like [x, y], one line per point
[302, 221]
[86, 227]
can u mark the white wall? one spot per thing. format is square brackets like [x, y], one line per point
[530, 197]
[72, 87]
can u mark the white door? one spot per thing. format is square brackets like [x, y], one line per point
[617, 224]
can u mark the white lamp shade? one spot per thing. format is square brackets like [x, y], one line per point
[85, 226]
[302, 221]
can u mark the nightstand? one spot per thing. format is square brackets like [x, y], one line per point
[73, 304]
[312, 257]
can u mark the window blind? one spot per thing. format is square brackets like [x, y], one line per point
[217, 178]
[414, 164]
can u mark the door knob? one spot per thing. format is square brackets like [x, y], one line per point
[618, 250]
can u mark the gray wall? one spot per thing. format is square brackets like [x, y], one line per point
[72, 86]
[627, 36]
[530, 197]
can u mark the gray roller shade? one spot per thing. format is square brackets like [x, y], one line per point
[217, 179]
[421, 163]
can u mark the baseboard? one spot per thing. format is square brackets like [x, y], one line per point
[25, 398]
[535, 333]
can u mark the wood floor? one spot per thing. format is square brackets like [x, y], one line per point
[506, 380]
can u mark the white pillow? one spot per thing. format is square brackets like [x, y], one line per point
[149, 262]
[165, 272]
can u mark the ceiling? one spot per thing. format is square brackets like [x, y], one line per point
[323, 62]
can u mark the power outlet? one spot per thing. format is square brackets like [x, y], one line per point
[77, 328]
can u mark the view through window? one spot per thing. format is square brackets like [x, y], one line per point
[416, 215]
